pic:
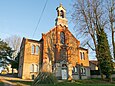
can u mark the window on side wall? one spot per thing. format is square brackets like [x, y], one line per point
[75, 70]
[83, 71]
[32, 68]
[36, 68]
[33, 49]
[81, 55]
[37, 50]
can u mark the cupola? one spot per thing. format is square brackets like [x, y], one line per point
[61, 16]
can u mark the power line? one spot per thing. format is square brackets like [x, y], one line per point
[40, 18]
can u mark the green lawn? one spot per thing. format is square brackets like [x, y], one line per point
[89, 82]
[83, 83]
[77, 84]
[22, 82]
[1, 84]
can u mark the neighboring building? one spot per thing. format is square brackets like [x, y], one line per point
[58, 51]
[94, 69]
[93, 65]
[114, 66]
[29, 58]
[10, 70]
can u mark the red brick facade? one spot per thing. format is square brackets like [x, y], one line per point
[58, 49]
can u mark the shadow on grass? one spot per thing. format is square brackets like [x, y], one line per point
[22, 82]
[87, 82]
[1, 84]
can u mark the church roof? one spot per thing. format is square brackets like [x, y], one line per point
[83, 48]
[60, 6]
[32, 40]
[95, 62]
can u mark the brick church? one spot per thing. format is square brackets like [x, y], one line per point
[58, 51]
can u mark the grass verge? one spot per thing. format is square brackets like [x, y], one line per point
[87, 82]
[22, 82]
[1, 84]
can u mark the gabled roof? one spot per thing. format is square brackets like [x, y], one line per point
[82, 48]
[67, 30]
[32, 39]
[73, 36]
[95, 62]
[50, 30]
[60, 6]
[24, 39]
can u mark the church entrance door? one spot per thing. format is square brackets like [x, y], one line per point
[64, 73]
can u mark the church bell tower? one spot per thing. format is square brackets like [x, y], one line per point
[61, 16]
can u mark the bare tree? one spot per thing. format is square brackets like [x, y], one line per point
[89, 17]
[14, 42]
[111, 15]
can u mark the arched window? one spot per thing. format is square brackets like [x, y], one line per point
[32, 49]
[61, 14]
[37, 50]
[84, 71]
[32, 68]
[36, 68]
[81, 55]
[75, 70]
[62, 38]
